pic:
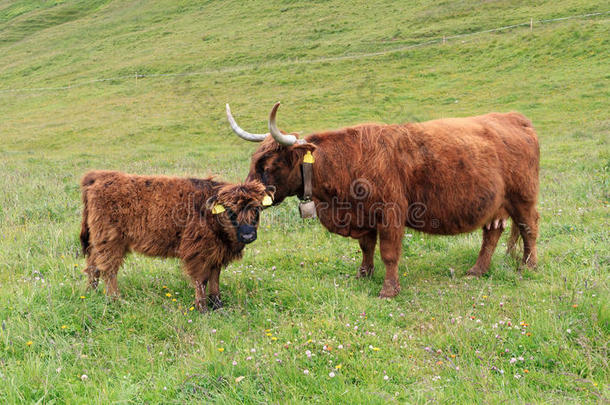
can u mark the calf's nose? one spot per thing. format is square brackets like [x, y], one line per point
[246, 233]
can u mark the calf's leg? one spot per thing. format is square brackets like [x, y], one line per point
[93, 273]
[200, 303]
[367, 245]
[214, 290]
[108, 259]
[390, 248]
[200, 274]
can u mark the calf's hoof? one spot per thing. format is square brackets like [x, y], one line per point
[93, 285]
[201, 306]
[215, 302]
[365, 271]
[93, 276]
[390, 289]
[113, 294]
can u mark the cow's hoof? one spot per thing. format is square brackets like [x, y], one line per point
[215, 302]
[201, 306]
[475, 271]
[365, 271]
[390, 289]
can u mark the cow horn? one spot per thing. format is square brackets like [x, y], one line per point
[282, 139]
[240, 132]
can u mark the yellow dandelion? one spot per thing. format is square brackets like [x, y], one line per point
[338, 366]
[29, 343]
[274, 338]
[64, 326]
[168, 294]
[174, 300]
[191, 308]
[376, 349]
[267, 330]
[221, 349]
[309, 341]
[164, 287]
[485, 296]
[268, 334]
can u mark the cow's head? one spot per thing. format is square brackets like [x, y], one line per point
[277, 162]
[237, 207]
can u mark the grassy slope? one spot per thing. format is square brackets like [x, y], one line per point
[145, 348]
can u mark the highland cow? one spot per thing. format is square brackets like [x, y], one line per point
[443, 177]
[205, 223]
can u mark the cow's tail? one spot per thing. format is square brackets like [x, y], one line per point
[87, 180]
[513, 240]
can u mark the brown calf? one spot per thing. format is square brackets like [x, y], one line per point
[204, 222]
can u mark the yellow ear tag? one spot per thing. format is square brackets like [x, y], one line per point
[308, 158]
[267, 201]
[217, 209]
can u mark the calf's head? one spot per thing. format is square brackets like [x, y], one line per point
[237, 207]
[277, 162]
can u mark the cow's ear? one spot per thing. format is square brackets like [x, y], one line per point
[300, 150]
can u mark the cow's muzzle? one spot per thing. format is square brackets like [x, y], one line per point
[246, 233]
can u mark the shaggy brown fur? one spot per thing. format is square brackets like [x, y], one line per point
[167, 217]
[443, 177]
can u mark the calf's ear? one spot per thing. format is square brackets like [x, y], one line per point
[211, 202]
[212, 205]
[270, 190]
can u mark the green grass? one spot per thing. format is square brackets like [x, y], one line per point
[443, 339]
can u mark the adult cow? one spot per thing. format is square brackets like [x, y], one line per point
[443, 177]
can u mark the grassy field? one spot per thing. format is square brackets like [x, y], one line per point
[297, 326]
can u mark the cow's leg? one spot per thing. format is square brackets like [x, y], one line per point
[109, 257]
[490, 241]
[367, 244]
[526, 218]
[214, 290]
[200, 274]
[390, 247]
